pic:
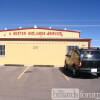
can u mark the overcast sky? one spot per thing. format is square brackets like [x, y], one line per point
[83, 15]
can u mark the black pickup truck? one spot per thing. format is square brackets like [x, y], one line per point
[83, 60]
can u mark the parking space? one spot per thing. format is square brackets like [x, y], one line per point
[84, 82]
[35, 83]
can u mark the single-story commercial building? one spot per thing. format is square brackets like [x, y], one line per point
[38, 46]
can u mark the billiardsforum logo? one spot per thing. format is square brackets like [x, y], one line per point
[72, 94]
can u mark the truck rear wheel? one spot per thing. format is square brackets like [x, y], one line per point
[98, 74]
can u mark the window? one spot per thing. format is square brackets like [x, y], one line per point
[90, 55]
[2, 50]
[69, 48]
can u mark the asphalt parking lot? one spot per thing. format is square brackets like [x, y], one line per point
[36, 83]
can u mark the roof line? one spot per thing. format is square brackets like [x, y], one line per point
[40, 28]
[44, 39]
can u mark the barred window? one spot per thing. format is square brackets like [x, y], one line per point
[69, 48]
[2, 50]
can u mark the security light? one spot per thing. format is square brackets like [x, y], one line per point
[65, 28]
[20, 27]
[5, 28]
[50, 27]
[35, 26]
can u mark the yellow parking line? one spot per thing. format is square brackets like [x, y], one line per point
[66, 77]
[23, 72]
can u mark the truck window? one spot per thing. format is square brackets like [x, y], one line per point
[90, 55]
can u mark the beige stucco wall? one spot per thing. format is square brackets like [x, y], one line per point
[37, 52]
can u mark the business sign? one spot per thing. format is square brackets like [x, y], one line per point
[39, 33]
[36, 33]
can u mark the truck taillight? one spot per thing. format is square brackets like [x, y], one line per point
[79, 63]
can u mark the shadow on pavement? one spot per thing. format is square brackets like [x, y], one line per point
[80, 76]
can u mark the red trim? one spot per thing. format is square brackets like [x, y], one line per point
[44, 39]
[79, 34]
[41, 28]
[89, 44]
